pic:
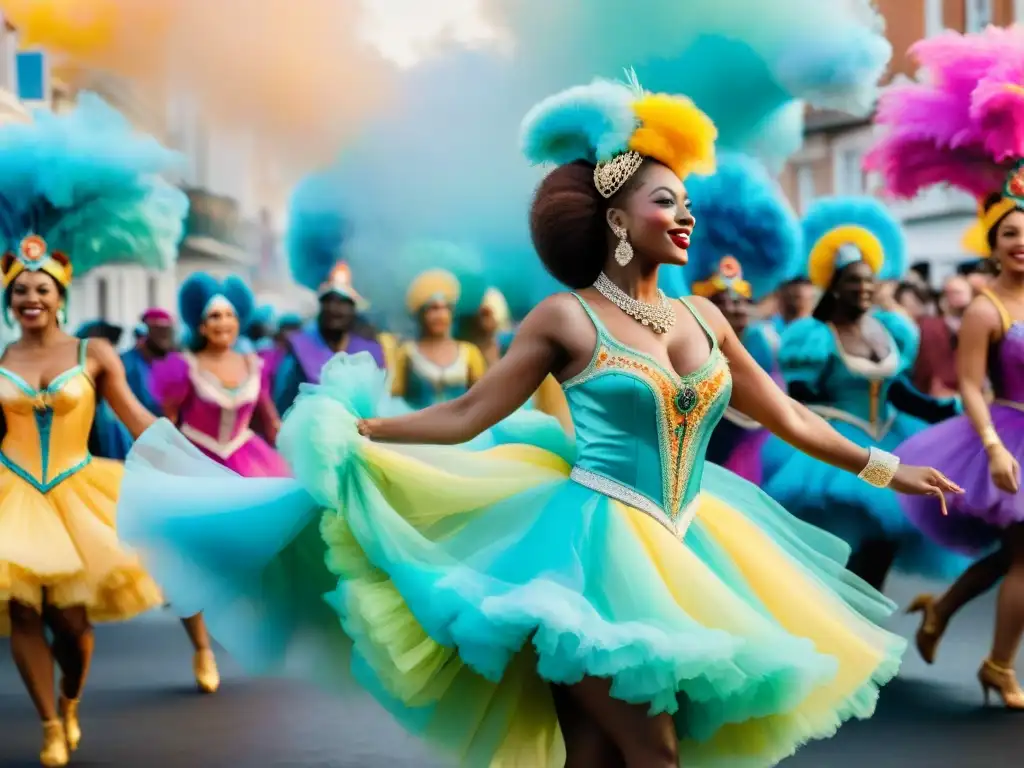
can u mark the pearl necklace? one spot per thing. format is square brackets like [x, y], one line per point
[658, 317]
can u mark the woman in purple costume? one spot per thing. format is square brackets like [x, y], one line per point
[982, 116]
[213, 393]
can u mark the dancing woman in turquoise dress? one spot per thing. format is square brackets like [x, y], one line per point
[615, 602]
[848, 363]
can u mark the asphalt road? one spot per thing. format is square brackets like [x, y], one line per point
[141, 710]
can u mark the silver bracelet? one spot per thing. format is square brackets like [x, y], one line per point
[880, 469]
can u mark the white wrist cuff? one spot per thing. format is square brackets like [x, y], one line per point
[880, 469]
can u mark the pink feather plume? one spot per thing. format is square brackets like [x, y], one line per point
[962, 122]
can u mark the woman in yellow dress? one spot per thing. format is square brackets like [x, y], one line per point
[436, 367]
[76, 190]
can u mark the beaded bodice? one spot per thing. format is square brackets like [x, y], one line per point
[641, 429]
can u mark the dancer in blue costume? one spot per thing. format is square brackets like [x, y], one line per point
[848, 364]
[154, 338]
[618, 603]
[316, 232]
[109, 438]
[749, 240]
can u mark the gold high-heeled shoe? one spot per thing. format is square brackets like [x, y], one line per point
[204, 666]
[1003, 681]
[55, 746]
[930, 632]
[72, 728]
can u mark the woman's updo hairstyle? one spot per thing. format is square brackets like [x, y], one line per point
[569, 225]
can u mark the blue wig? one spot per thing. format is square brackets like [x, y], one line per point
[316, 230]
[827, 215]
[89, 184]
[742, 212]
[200, 288]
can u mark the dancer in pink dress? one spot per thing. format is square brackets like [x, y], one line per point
[212, 392]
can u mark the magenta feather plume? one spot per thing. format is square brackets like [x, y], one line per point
[962, 122]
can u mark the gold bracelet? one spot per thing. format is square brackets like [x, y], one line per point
[881, 468]
[990, 438]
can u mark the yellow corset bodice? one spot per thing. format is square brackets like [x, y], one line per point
[47, 438]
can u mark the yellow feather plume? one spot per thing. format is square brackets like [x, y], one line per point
[434, 283]
[676, 133]
[822, 262]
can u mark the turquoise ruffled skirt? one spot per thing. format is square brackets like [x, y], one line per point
[456, 585]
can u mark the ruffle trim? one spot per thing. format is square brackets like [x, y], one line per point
[122, 594]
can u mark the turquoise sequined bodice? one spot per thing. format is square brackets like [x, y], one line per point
[641, 429]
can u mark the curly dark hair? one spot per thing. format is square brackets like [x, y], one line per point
[568, 224]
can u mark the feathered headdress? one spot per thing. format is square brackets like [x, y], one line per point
[316, 233]
[201, 293]
[961, 123]
[431, 269]
[747, 238]
[839, 231]
[82, 190]
[615, 126]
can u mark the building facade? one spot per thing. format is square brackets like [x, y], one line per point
[830, 161]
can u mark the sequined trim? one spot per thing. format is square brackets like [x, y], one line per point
[632, 498]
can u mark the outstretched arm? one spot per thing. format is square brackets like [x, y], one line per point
[499, 392]
[759, 397]
[113, 387]
[981, 326]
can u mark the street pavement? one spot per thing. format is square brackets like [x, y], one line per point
[141, 709]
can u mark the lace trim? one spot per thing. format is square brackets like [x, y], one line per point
[630, 497]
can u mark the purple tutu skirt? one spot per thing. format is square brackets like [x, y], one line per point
[977, 518]
[254, 459]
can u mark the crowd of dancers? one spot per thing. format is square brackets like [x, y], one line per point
[526, 537]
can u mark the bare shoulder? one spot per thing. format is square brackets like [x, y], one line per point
[710, 314]
[103, 353]
[554, 312]
[982, 312]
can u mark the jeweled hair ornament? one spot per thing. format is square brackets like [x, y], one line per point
[616, 126]
[839, 231]
[961, 123]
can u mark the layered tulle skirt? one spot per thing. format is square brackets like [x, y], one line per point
[978, 517]
[458, 585]
[63, 545]
[846, 506]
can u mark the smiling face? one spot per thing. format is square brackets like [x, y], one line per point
[36, 301]
[655, 210]
[220, 327]
[1009, 243]
[855, 287]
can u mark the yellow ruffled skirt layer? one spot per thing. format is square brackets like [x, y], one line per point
[61, 547]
